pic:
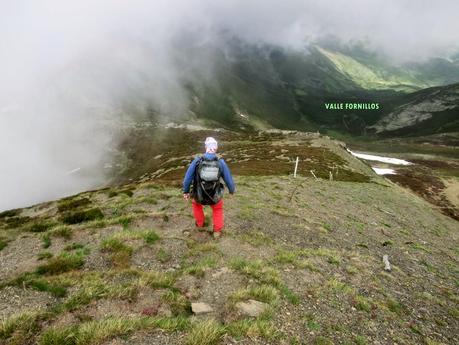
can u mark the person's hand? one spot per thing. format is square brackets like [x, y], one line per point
[186, 196]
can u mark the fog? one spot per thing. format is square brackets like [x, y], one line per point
[68, 69]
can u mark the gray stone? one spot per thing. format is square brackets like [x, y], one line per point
[251, 307]
[201, 308]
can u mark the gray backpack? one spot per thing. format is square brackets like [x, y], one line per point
[207, 188]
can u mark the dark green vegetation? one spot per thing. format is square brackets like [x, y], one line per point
[311, 250]
[260, 153]
[82, 216]
[263, 86]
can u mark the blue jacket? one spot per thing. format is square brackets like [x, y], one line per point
[226, 174]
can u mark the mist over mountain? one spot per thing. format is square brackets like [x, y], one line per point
[72, 73]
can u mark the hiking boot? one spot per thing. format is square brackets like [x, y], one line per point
[217, 235]
[200, 228]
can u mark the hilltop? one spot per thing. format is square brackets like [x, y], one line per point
[123, 265]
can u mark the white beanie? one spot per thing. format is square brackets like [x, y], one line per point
[211, 144]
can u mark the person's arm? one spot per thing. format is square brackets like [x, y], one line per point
[189, 176]
[226, 174]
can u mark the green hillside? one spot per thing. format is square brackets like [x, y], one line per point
[260, 87]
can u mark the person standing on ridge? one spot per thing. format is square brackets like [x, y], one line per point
[204, 173]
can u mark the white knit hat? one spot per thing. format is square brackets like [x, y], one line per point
[211, 144]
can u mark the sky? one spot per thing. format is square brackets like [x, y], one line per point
[68, 67]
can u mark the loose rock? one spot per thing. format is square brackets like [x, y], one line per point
[201, 308]
[251, 307]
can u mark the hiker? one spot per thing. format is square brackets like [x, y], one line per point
[204, 173]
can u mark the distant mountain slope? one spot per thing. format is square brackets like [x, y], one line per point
[374, 77]
[266, 86]
[424, 112]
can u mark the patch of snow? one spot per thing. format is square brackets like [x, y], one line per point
[383, 159]
[384, 171]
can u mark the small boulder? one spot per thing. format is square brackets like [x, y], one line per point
[251, 307]
[201, 308]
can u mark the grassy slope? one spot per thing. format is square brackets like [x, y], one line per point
[312, 250]
[369, 77]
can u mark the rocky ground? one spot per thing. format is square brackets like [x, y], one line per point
[300, 261]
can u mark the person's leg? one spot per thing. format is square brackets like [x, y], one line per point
[217, 216]
[198, 213]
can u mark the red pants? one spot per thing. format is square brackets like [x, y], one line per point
[217, 215]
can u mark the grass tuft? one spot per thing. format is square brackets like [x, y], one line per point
[206, 332]
[157, 279]
[20, 326]
[262, 293]
[72, 204]
[120, 252]
[257, 270]
[40, 226]
[252, 329]
[64, 262]
[3, 244]
[99, 331]
[44, 255]
[62, 231]
[46, 241]
[163, 256]
[77, 217]
[178, 303]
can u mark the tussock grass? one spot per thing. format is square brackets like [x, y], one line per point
[257, 238]
[178, 303]
[16, 222]
[44, 255]
[97, 332]
[120, 252]
[40, 226]
[197, 248]
[77, 217]
[3, 244]
[199, 267]
[265, 275]
[149, 236]
[257, 270]
[394, 306]
[21, 326]
[72, 204]
[262, 293]
[252, 329]
[61, 263]
[55, 289]
[10, 213]
[89, 291]
[362, 303]
[206, 332]
[297, 257]
[76, 246]
[147, 200]
[157, 279]
[335, 285]
[163, 256]
[46, 241]
[124, 221]
[62, 231]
